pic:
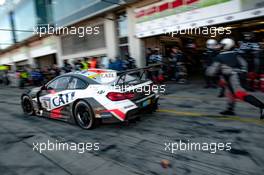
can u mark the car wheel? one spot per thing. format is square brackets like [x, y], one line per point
[84, 115]
[27, 105]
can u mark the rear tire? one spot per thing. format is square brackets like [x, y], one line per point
[27, 105]
[84, 115]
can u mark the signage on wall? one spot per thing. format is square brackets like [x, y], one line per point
[172, 15]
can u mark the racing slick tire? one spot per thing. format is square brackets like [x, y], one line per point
[27, 105]
[84, 115]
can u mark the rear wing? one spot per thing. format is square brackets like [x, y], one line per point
[138, 71]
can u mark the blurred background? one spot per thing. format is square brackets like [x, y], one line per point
[128, 30]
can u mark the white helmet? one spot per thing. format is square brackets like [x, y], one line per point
[227, 43]
[211, 44]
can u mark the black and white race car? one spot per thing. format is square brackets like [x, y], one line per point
[93, 96]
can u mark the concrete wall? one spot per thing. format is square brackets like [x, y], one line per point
[111, 36]
[136, 45]
[26, 54]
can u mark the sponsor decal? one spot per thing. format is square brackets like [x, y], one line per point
[56, 113]
[104, 77]
[100, 92]
[46, 102]
[117, 113]
[63, 99]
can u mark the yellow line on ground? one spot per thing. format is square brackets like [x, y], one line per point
[219, 117]
[203, 98]
[193, 98]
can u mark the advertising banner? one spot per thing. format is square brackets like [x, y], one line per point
[169, 16]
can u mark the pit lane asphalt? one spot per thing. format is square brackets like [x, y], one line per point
[187, 112]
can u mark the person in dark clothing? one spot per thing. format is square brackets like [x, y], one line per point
[5, 79]
[251, 52]
[129, 62]
[231, 66]
[208, 57]
[56, 71]
[148, 54]
[155, 58]
[66, 67]
[173, 59]
[177, 64]
[78, 65]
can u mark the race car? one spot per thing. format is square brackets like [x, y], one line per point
[93, 96]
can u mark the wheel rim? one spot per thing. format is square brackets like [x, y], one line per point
[27, 106]
[83, 116]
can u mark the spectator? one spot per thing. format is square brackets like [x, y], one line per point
[85, 64]
[78, 65]
[66, 67]
[93, 63]
[119, 64]
[148, 54]
[36, 76]
[155, 74]
[56, 70]
[129, 62]
[23, 78]
[177, 59]
[105, 62]
[155, 57]
[111, 64]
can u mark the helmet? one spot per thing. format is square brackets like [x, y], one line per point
[227, 43]
[211, 44]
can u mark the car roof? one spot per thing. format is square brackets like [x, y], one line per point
[90, 75]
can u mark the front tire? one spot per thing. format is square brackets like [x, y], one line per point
[84, 115]
[27, 105]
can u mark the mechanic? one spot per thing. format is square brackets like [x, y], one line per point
[251, 52]
[129, 62]
[155, 58]
[178, 60]
[231, 66]
[208, 56]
